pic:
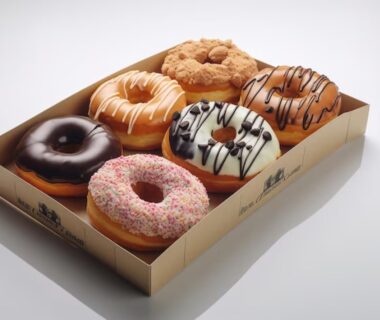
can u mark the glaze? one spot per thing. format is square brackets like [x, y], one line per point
[112, 97]
[294, 95]
[38, 150]
[254, 146]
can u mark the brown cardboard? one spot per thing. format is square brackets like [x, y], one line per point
[67, 218]
[255, 193]
[358, 123]
[132, 268]
[168, 264]
[210, 229]
[7, 190]
[325, 140]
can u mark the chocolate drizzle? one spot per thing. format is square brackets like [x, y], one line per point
[39, 149]
[183, 125]
[282, 112]
[182, 138]
[284, 105]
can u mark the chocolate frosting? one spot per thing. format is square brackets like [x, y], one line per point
[39, 149]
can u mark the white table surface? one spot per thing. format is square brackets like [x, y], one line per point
[312, 252]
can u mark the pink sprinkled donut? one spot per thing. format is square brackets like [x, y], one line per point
[145, 202]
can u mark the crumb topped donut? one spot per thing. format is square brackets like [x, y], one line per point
[116, 204]
[137, 106]
[223, 144]
[209, 69]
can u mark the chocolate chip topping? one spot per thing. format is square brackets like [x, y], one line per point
[195, 110]
[255, 132]
[267, 136]
[234, 151]
[205, 107]
[246, 125]
[241, 144]
[185, 136]
[176, 116]
[218, 104]
[249, 147]
[211, 142]
[230, 144]
[204, 101]
[184, 124]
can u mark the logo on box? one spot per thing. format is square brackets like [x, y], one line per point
[272, 182]
[274, 179]
[50, 219]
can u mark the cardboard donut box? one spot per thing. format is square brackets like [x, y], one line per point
[67, 218]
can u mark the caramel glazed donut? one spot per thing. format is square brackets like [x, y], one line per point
[294, 100]
[58, 156]
[247, 144]
[119, 207]
[138, 107]
[209, 69]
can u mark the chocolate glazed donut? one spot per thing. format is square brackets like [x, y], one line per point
[65, 152]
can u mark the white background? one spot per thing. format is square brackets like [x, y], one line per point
[311, 253]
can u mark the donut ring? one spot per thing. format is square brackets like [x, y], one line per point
[294, 100]
[224, 145]
[209, 69]
[138, 107]
[116, 209]
[59, 155]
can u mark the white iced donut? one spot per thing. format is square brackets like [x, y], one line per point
[225, 145]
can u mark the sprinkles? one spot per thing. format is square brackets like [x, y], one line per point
[185, 199]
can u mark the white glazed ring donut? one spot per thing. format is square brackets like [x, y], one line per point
[222, 166]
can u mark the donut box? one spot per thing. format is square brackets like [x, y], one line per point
[67, 218]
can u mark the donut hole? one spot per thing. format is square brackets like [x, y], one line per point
[224, 134]
[68, 148]
[136, 95]
[69, 143]
[210, 61]
[290, 93]
[148, 192]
